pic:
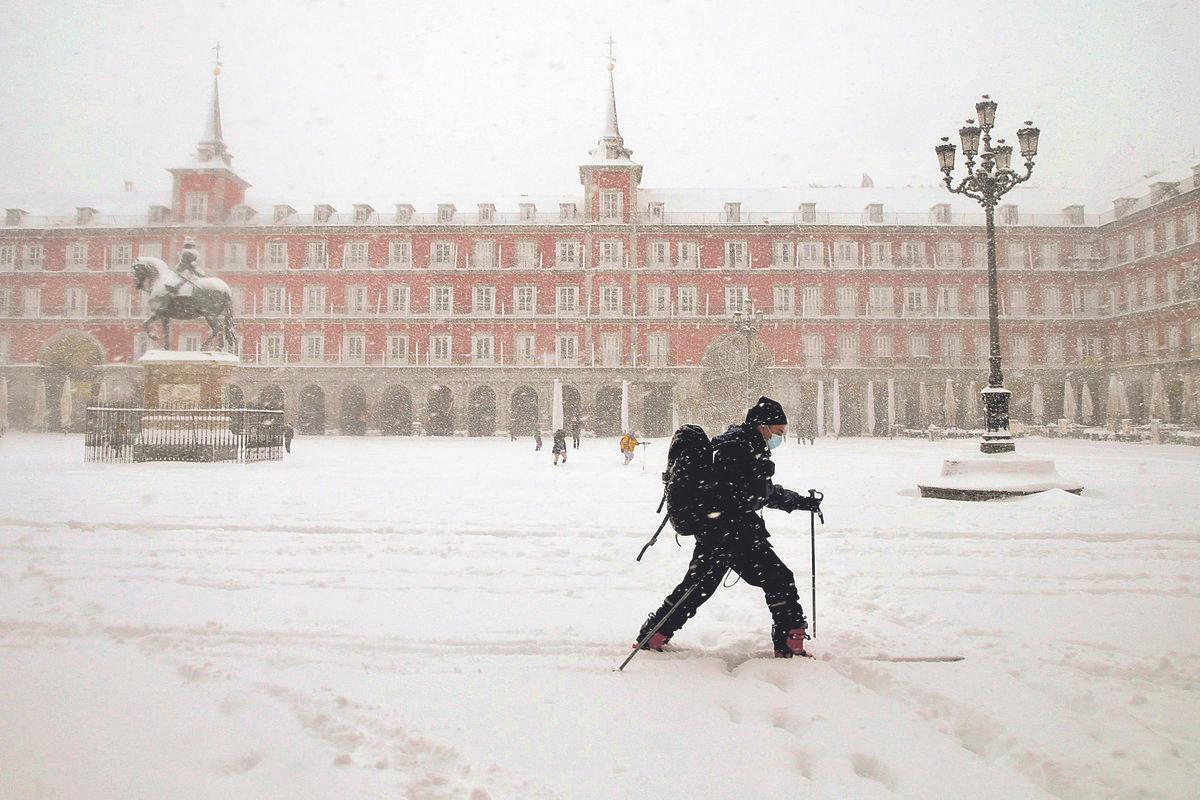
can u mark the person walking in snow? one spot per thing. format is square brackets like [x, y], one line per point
[288, 433]
[576, 431]
[736, 538]
[629, 445]
[560, 446]
[807, 429]
[537, 439]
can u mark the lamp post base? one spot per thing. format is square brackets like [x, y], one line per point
[996, 436]
[998, 443]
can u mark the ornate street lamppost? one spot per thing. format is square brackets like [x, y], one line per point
[986, 184]
[748, 321]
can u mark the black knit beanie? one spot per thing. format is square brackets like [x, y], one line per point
[766, 412]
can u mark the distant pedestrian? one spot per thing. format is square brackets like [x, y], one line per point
[288, 433]
[629, 445]
[537, 439]
[807, 430]
[576, 431]
[560, 446]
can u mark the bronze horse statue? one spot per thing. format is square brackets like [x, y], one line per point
[174, 297]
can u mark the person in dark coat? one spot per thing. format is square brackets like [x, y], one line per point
[736, 538]
[537, 439]
[288, 433]
[576, 431]
[560, 446]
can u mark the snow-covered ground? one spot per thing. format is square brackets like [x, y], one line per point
[440, 618]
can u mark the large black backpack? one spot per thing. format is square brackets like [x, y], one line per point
[688, 484]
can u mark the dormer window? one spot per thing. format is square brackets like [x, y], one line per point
[567, 212]
[940, 214]
[242, 214]
[874, 212]
[655, 212]
[323, 213]
[611, 205]
[362, 213]
[1163, 190]
[196, 207]
[14, 216]
[528, 212]
[733, 212]
[85, 215]
[1123, 205]
[1073, 215]
[808, 213]
[404, 213]
[280, 214]
[446, 212]
[487, 213]
[1009, 215]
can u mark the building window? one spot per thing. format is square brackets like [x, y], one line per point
[525, 300]
[439, 349]
[979, 254]
[441, 255]
[483, 299]
[981, 300]
[31, 301]
[952, 349]
[196, 207]
[270, 348]
[659, 301]
[150, 249]
[400, 255]
[814, 349]
[568, 349]
[1016, 255]
[949, 254]
[120, 257]
[34, 256]
[483, 348]
[610, 300]
[1048, 255]
[812, 254]
[611, 253]
[4, 348]
[441, 299]
[735, 255]
[525, 348]
[273, 299]
[234, 255]
[657, 349]
[356, 300]
[566, 254]
[918, 345]
[1056, 349]
[846, 253]
[122, 301]
[526, 255]
[610, 349]
[8, 257]
[783, 254]
[354, 348]
[1051, 301]
[314, 300]
[881, 254]
[483, 254]
[397, 348]
[686, 297]
[785, 300]
[848, 348]
[277, 255]
[689, 255]
[313, 347]
[611, 205]
[1174, 338]
[77, 256]
[1018, 301]
[847, 298]
[397, 299]
[948, 301]
[659, 254]
[75, 302]
[568, 300]
[1021, 349]
[912, 254]
[916, 300]
[811, 301]
[881, 301]
[881, 345]
[7, 308]
[355, 256]
[735, 298]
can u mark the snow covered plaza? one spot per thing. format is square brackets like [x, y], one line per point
[440, 618]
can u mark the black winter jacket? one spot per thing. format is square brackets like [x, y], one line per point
[743, 470]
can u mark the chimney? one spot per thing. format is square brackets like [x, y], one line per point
[1123, 205]
[528, 212]
[84, 215]
[567, 211]
[362, 213]
[1009, 214]
[1073, 215]
[656, 211]
[404, 213]
[322, 213]
[281, 213]
[940, 214]
[733, 212]
[808, 212]
[159, 215]
[1161, 190]
[446, 212]
[487, 213]
[874, 212]
[14, 216]
[242, 213]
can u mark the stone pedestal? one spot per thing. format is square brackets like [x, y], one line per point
[196, 379]
[987, 477]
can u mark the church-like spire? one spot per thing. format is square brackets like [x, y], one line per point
[212, 142]
[611, 146]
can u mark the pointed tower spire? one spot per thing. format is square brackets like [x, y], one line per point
[212, 142]
[611, 146]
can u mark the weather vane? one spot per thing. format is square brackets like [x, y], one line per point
[217, 67]
[610, 44]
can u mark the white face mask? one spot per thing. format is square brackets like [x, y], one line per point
[775, 441]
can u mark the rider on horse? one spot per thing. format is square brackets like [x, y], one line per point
[188, 266]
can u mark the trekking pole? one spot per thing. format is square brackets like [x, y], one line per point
[661, 622]
[812, 541]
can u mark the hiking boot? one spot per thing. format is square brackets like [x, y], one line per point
[790, 643]
[656, 642]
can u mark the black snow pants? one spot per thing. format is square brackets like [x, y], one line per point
[750, 555]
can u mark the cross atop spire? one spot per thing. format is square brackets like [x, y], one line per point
[212, 142]
[611, 146]
[217, 66]
[610, 44]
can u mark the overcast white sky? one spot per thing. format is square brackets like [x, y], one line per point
[384, 102]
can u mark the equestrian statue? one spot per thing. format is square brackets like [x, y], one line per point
[185, 292]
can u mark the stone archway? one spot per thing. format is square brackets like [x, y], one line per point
[235, 396]
[481, 412]
[395, 412]
[725, 394]
[656, 411]
[439, 412]
[524, 416]
[353, 417]
[271, 396]
[72, 358]
[311, 419]
[572, 404]
[606, 414]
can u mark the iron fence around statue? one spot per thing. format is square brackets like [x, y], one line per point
[119, 433]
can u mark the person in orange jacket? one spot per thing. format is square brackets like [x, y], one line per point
[629, 445]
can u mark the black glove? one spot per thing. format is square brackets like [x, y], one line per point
[808, 503]
[785, 499]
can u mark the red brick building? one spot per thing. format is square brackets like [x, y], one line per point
[460, 314]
